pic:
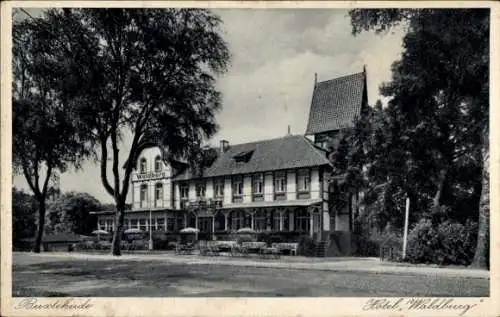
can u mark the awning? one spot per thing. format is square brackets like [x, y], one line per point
[275, 203]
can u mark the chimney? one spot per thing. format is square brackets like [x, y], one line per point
[315, 79]
[224, 145]
[289, 130]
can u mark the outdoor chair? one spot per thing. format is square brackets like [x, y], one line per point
[188, 248]
[270, 253]
[289, 247]
[254, 247]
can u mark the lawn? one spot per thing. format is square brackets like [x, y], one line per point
[46, 276]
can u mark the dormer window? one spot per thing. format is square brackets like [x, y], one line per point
[243, 157]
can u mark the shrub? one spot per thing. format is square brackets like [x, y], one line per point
[423, 243]
[458, 242]
[447, 243]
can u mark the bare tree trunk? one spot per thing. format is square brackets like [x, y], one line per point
[436, 203]
[481, 257]
[41, 225]
[119, 220]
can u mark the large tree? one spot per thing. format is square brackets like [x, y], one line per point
[71, 213]
[147, 75]
[46, 134]
[440, 88]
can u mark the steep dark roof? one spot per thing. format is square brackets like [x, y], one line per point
[336, 102]
[293, 151]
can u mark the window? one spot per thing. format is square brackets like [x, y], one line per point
[144, 195]
[303, 180]
[143, 165]
[184, 189]
[134, 223]
[102, 224]
[200, 190]
[260, 220]
[142, 225]
[258, 184]
[170, 224]
[238, 186]
[219, 188]
[159, 191]
[302, 220]
[158, 164]
[280, 182]
[237, 220]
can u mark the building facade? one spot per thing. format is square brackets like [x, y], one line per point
[277, 185]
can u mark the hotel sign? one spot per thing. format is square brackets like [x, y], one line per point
[147, 176]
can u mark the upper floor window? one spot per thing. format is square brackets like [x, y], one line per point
[238, 185]
[184, 189]
[143, 165]
[280, 182]
[158, 164]
[258, 184]
[143, 195]
[303, 180]
[219, 188]
[200, 190]
[158, 191]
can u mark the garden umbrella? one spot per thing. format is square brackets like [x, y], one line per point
[100, 232]
[133, 230]
[190, 230]
[246, 230]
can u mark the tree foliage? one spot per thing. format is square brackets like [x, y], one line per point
[428, 141]
[24, 207]
[148, 73]
[71, 213]
[46, 134]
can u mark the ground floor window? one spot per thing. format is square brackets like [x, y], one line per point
[142, 225]
[160, 223]
[260, 220]
[237, 219]
[302, 220]
[102, 224]
[134, 223]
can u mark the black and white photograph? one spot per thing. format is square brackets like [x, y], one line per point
[249, 152]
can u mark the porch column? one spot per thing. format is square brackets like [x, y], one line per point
[213, 227]
[291, 225]
[282, 222]
[165, 222]
[225, 221]
[251, 220]
[311, 222]
[129, 223]
[185, 220]
[196, 221]
[269, 220]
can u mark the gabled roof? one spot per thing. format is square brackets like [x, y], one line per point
[336, 103]
[289, 152]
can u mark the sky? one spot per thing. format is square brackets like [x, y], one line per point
[268, 87]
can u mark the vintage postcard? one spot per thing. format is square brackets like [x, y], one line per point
[249, 158]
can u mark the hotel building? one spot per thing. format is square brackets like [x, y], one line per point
[277, 185]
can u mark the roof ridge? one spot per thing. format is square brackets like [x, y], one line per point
[265, 140]
[339, 78]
